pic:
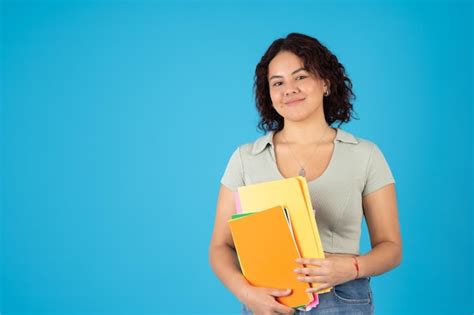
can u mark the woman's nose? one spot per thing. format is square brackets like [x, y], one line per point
[291, 90]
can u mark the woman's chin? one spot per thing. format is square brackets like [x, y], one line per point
[301, 114]
[296, 117]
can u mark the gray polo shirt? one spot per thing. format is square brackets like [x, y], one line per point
[357, 168]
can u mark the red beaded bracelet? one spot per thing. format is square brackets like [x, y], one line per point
[356, 264]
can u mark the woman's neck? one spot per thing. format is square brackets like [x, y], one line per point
[305, 133]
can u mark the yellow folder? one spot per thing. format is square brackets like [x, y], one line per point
[292, 194]
[267, 252]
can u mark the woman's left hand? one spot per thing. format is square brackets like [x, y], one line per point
[327, 272]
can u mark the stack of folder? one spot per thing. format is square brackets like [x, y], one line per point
[274, 226]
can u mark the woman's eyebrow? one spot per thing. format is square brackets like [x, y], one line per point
[279, 76]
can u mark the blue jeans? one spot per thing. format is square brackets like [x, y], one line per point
[353, 297]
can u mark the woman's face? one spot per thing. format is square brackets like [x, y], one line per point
[296, 93]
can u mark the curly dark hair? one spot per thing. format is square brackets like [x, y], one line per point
[320, 62]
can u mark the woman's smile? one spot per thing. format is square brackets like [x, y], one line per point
[294, 102]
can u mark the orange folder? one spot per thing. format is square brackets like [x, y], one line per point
[293, 194]
[267, 251]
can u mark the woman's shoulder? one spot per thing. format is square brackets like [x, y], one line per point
[366, 154]
[258, 145]
[362, 144]
[357, 148]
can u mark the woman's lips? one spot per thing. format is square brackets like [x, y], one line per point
[295, 102]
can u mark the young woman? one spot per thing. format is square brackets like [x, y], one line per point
[301, 90]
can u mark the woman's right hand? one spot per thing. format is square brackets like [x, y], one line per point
[261, 301]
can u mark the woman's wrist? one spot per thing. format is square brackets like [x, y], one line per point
[356, 267]
[351, 269]
[242, 293]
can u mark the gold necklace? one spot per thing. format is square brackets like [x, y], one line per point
[302, 171]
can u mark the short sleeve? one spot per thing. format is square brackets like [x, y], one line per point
[378, 172]
[233, 175]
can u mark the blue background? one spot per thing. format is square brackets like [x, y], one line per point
[118, 119]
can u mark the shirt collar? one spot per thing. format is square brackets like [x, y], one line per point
[346, 137]
[261, 143]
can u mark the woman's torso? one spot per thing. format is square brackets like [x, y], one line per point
[335, 178]
[315, 158]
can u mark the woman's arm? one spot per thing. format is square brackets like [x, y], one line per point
[381, 214]
[380, 208]
[222, 255]
[225, 265]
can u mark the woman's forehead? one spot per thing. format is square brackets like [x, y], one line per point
[285, 63]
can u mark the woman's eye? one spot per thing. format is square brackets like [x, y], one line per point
[301, 77]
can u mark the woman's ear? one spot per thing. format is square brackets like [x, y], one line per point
[327, 84]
